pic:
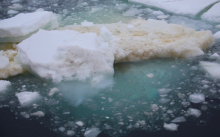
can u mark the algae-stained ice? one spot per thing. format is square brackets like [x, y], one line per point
[21, 26]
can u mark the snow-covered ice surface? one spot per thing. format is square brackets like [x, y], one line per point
[19, 27]
[212, 14]
[154, 95]
[186, 7]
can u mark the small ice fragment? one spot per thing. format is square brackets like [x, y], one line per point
[70, 133]
[212, 68]
[171, 126]
[38, 114]
[92, 132]
[4, 85]
[79, 123]
[132, 12]
[53, 91]
[217, 35]
[110, 99]
[214, 56]
[163, 16]
[11, 12]
[178, 120]
[106, 34]
[154, 107]
[196, 98]
[25, 115]
[164, 100]
[28, 98]
[157, 13]
[194, 112]
[150, 75]
[163, 91]
[86, 23]
[62, 129]
[66, 113]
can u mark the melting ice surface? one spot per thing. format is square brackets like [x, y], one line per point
[151, 95]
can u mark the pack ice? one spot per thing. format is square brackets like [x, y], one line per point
[186, 7]
[21, 26]
[67, 55]
[146, 39]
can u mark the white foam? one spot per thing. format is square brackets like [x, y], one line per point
[67, 55]
[197, 98]
[24, 24]
[28, 98]
[171, 126]
[212, 14]
[186, 7]
[38, 114]
[217, 35]
[212, 68]
[194, 112]
[92, 132]
[4, 85]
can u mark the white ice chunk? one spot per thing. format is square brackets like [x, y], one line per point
[163, 91]
[150, 75]
[132, 12]
[80, 123]
[215, 56]
[4, 85]
[70, 133]
[11, 12]
[62, 129]
[157, 12]
[92, 132]
[38, 114]
[178, 120]
[67, 55]
[106, 34]
[217, 35]
[194, 112]
[16, 7]
[25, 115]
[212, 14]
[171, 126]
[23, 24]
[197, 98]
[28, 98]
[186, 7]
[86, 23]
[163, 16]
[53, 91]
[212, 68]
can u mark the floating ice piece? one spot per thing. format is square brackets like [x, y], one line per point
[28, 98]
[70, 133]
[163, 16]
[7, 65]
[25, 115]
[80, 123]
[16, 7]
[215, 56]
[150, 75]
[152, 39]
[92, 132]
[38, 114]
[171, 126]
[67, 55]
[178, 120]
[163, 91]
[132, 12]
[212, 68]
[4, 85]
[62, 129]
[197, 98]
[86, 23]
[186, 7]
[217, 35]
[21, 26]
[11, 12]
[212, 14]
[53, 91]
[157, 13]
[194, 112]
[16, 1]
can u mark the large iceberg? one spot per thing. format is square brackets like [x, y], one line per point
[67, 55]
[186, 7]
[146, 39]
[21, 26]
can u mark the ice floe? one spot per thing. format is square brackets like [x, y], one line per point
[212, 68]
[212, 14]
[19, 27]
[197, 98]
[194, 112]
[28, 98]
[146, 39]
[171, 126]
[4, 85]
[186, 7]
[67, 55]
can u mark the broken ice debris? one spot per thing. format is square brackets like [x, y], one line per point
[21, 26]
[92, 132]
[67, 55]
[212, 14]
[38, 114]
[194, 112]
[178, 120]
[28, 98]
[171, 126]
[4, 85]
[185, 7]
[217, 35]
[197, 98]
[212, 68]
